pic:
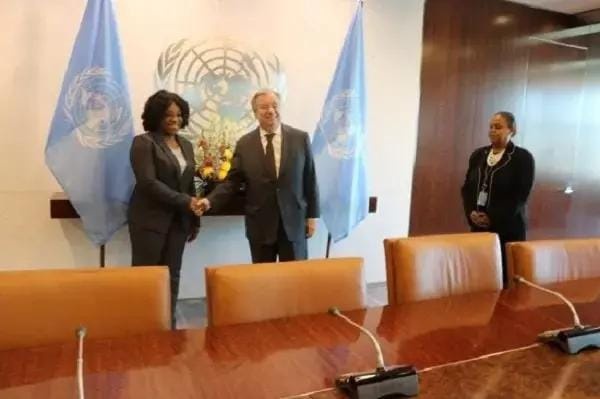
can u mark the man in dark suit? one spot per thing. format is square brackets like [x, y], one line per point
[275, 163]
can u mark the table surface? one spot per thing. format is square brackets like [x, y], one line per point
[532, 372]
[293, 356]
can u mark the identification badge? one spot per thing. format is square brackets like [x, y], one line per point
[482, 198]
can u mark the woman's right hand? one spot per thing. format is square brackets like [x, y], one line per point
[195, 206]
[474, 216]
[484, 220]
[480, 219]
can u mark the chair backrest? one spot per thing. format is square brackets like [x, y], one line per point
[39, 307]
[247, 293]
[435, 266]
[552, 261]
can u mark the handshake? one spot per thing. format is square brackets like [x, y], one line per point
[199, 205]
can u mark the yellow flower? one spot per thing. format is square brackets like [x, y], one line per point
[228, 154]
[225, 166]
[207, 171]
[222, 174]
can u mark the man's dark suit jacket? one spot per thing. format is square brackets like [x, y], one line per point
[294, 195]
[161, 192]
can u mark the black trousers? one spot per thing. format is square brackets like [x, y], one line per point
[283, 248]
[151, 248]
[504, 239]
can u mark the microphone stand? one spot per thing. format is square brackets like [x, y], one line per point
[397, 381]
[573, 339]
[81, 331]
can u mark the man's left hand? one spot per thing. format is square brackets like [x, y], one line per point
[311, 227]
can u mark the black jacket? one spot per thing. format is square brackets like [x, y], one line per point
[510, 183]
[161, 192]
[294, 195]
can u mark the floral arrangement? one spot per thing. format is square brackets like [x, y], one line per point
[214, 150]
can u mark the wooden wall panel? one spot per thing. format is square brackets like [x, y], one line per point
[476, 59]
[550, 125]
[584, 214]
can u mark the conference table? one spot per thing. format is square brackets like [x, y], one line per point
[479, 345]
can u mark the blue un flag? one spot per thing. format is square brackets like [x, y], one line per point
[339, 140]
[91, 132]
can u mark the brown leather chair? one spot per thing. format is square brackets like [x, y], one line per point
[39, 307]
[553, 261]
[435, 266]
[247, 293]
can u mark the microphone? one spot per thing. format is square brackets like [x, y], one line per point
[80, 334]
[397, 381]
[573, 339]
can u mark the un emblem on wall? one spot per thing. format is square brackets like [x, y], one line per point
[342, 131]
[217, 78]
[96, 106]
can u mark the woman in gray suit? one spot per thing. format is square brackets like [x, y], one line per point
[162, 208]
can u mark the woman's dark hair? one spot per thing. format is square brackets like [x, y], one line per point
[510, 120]
[156, 108]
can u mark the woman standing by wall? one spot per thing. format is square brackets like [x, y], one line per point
[497, 185]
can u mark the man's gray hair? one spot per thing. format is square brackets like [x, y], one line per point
[263, 92]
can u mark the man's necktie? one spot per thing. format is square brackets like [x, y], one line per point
[270, 157]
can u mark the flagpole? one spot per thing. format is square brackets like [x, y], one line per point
[328, 245]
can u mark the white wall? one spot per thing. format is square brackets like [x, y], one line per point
[306, 35]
